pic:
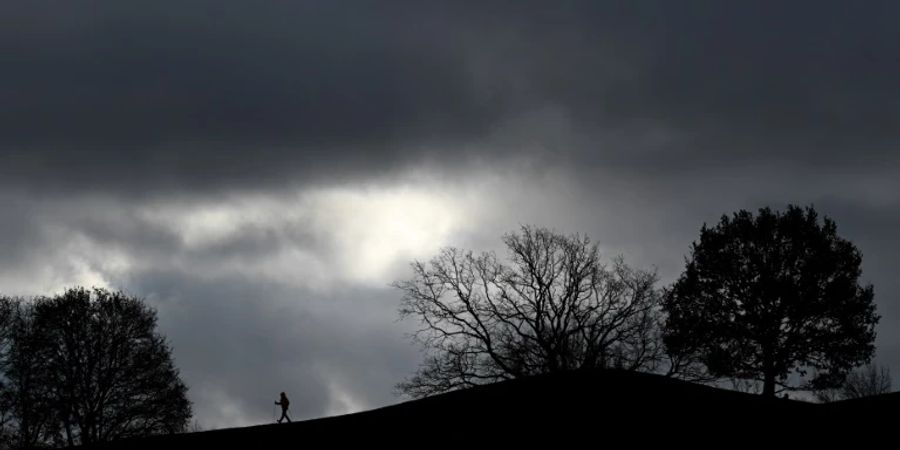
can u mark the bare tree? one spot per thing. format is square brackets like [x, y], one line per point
[871, 379]
[867, 381]
[554, 306]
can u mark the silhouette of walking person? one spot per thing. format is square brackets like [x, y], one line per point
[284, 402]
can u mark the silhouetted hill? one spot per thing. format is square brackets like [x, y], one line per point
[599, 408]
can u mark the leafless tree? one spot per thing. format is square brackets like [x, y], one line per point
[553, 306]
[868, 381]
[871, 379]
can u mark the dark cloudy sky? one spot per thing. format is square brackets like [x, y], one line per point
[261, 171]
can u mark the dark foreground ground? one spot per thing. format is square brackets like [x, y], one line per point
[605, 409]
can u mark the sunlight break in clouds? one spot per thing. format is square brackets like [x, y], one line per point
[373, 229]
[335, 234]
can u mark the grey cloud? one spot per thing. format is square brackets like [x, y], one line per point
[223, 95]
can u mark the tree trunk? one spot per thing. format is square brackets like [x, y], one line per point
[69, 438]
[768, 371]
[769, 385]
